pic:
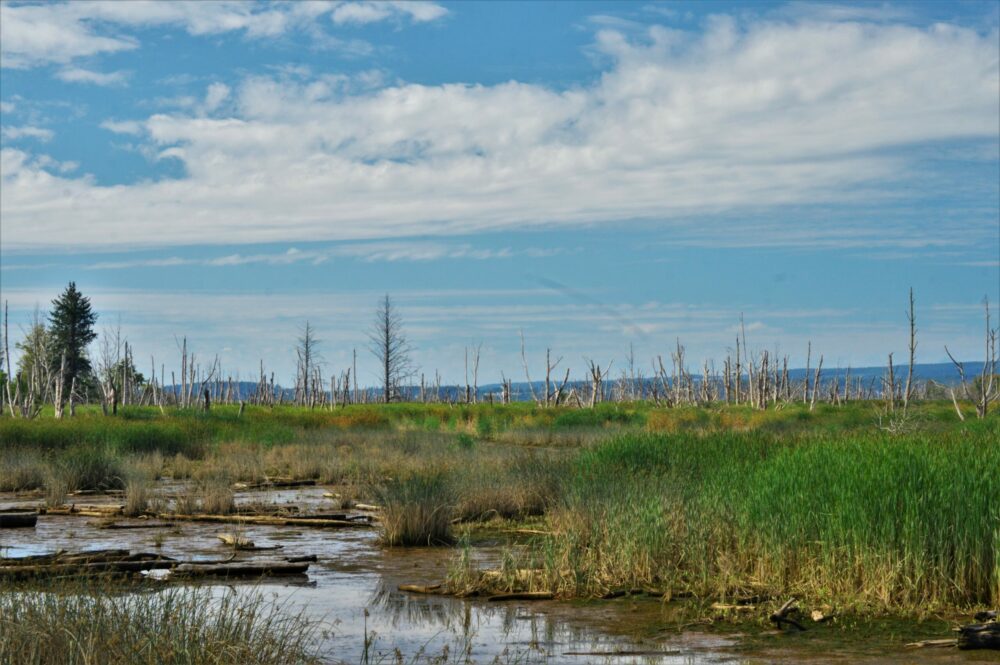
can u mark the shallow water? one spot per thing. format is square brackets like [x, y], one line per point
[352, 592]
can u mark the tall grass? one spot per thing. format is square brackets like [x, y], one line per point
[173, 626]
[416, 510]
[871, 520]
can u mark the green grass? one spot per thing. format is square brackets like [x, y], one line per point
[719, 501]
[862, 519]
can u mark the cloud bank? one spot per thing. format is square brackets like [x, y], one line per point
[743, 117]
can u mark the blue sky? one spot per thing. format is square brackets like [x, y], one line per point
[593, 174]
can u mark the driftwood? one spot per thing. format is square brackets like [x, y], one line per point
[781, 617]
[980, 636]
[924, 644]
[111, 524]
[244, 543]
[241, 569]
[275, 483]
[523, 595]
[123, 562]
[416, 588]
[265, 519]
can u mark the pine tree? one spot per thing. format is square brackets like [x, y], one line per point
[71, 330]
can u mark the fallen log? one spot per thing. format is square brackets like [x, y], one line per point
[263, 519]
[522, 595]
[64, 556]
[275, 483]
[18, 520]
[131, 564]
[979, 636]
[416, 588]
[243, 543]
[924, 644]
[242, 569]
[111, 524]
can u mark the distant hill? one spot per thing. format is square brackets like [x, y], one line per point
[942, 373]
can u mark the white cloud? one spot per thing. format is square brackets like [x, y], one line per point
[79, 75]
[368, 251]
[743, 119]
[123, 127]
[13, 133]
[215, 95]
[7, 107]
[34, 35]
[370, 12]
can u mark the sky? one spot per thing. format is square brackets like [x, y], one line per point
[601, 177]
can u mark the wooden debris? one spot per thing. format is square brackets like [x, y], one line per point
[265, 519]
[923, 644]
[367, 506]
[238, 542]
[416, 588]
[18, 520]
[730, 607]
[980, 636]
[123, 562]
[522, 595]
[258, 568]
[243, 543]
[275, 483]
[781, 617]
[111, 524]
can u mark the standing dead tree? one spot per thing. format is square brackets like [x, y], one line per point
[390, 347]
[985, 389]
[307, 367]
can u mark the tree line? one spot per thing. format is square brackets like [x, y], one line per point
[55, 367]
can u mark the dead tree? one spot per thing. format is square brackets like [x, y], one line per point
[597, 382]
[390, 347]
[307, 352]
[985, 389]
[908, 392]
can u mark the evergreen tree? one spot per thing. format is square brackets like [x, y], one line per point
[71, 329]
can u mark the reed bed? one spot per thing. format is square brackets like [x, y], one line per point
[872, 521]
[88, 625]
[416, 510]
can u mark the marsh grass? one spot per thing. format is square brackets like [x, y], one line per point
[81, 626]
[212, 495]
[872, 521]
[21, 470]
[416, 510]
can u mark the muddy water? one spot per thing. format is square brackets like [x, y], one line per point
[352, 592]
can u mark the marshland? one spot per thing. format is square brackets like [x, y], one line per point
[627, 527]
[706, 516]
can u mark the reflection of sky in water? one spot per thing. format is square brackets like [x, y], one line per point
[354, 575]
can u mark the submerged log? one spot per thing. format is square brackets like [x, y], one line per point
[18, 520]
[241, 569]
[265, 519]
[111, 524]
